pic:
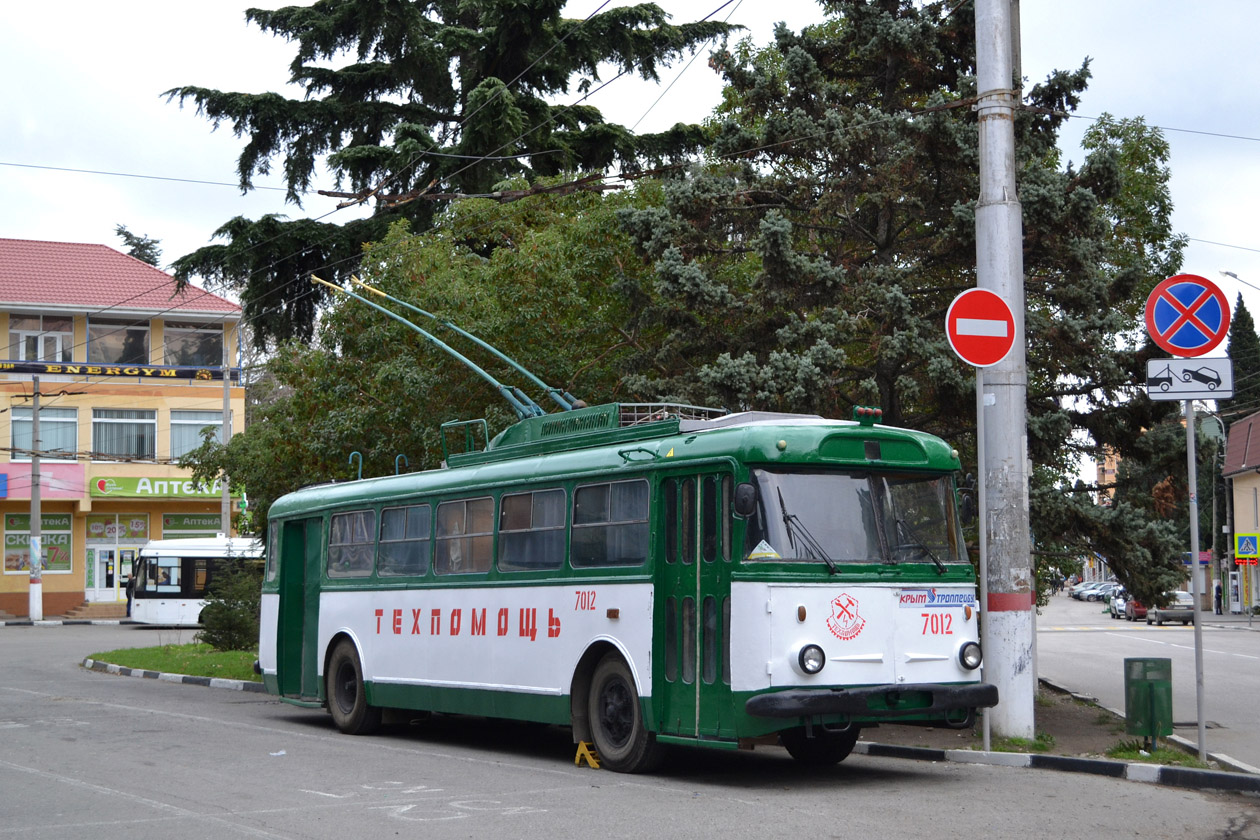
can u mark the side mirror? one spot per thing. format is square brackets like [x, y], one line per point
[745, 499]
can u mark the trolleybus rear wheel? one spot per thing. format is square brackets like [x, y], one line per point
[346, 698]
[616, 719]
[826, 747]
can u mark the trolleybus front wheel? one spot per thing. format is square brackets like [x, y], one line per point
[346, 698]
[825, 747]
[616, 719]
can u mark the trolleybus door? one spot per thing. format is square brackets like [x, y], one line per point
[297, 659]
[692, 665]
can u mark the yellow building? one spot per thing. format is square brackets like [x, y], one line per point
[129, 375]
[1242, 472]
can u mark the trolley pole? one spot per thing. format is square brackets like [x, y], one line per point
[1008, 626]
[35, 604]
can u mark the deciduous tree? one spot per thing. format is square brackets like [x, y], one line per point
[543, 279]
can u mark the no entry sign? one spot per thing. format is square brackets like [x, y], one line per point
[980, 327]
[1187, 315]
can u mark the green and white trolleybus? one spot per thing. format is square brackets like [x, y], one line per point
[646, 574]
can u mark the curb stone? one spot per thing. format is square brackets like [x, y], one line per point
[57, 622]
[209, 682]
[1180, 777]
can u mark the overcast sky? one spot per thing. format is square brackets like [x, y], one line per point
[83, 85]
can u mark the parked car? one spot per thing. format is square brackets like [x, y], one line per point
[1134, 610]
[1118, 600]
[1082, 593]
[1180, 608]
[1101, 593]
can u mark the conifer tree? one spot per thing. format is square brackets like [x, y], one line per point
[1244, 351]
[409, 97]
[143, 248]
[809, 265]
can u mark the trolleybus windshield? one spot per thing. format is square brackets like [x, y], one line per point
[835, 518]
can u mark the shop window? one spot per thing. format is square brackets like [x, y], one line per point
[55, 539]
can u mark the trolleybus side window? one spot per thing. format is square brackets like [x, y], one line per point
[610, 524]
[710, 634]
[405, 544]
[531, 530]
[351, 542]
[163, 575]
[714, 522]
[273, 552]
[688, 640]
[680, 519]
[465, 536]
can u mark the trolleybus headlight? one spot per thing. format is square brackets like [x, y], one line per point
[969, 656]
[812, 659]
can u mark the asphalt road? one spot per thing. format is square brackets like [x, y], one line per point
[1080, 647]
[90, 755]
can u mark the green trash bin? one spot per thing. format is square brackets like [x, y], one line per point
[1148, 697]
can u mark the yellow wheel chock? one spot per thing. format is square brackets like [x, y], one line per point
[586, 752]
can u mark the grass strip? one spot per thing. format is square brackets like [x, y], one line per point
[195, 660]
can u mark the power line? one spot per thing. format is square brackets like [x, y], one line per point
[133, 175]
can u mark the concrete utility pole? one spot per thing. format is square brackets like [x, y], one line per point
[225, 433]
[35, 601]
[1008, 626]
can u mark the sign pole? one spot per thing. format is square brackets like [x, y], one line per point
[1188, 316]
[981, 507]
[1192, 482]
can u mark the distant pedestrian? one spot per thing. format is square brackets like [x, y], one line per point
[1217, 598]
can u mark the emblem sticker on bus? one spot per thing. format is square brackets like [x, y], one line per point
[930, 599]
[845, 622]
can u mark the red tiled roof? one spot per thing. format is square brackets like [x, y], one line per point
[94, 277]
[1242, 452]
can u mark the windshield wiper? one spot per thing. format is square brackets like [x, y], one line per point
[810, 545]
[904, 530]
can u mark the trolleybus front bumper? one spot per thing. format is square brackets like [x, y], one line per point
[873, 701]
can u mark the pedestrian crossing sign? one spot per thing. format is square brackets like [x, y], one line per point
[1246, 545]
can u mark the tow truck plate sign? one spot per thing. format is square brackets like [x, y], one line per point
[1190, 379]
